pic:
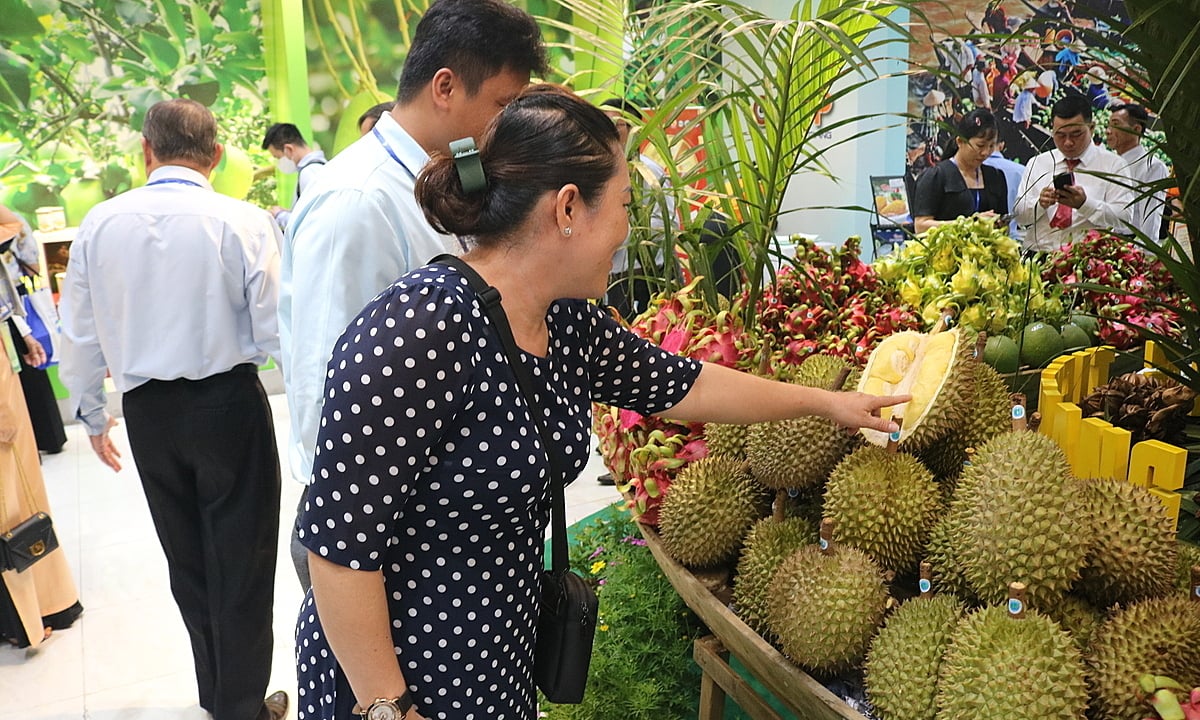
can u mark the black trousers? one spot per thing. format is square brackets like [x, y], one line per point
[206, 454]
[47, 421]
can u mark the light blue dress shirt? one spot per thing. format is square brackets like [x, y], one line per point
[353, 234]
[307, 170]
[170, 280]
[1013, 172]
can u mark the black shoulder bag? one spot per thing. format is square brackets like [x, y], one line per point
[567, 620]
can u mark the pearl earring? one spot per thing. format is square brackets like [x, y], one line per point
[566, 232]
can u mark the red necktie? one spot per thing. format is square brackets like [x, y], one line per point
[1062, 214]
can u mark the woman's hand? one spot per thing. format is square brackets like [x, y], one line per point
[854, 410]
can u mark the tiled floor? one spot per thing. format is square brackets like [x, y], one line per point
[128, 657]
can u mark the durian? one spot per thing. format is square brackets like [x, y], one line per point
[1000, 667]
[1189, 557]
[936, 370]
[884, 504]
[948, 576]
[989, 414]
[767, 545]
[1077, 616]
[726, 440]
[800, 452]
[824, 607]
[1133, 553]
[901, 671]
[1158, 637]
[1017, 515]
[708, 510]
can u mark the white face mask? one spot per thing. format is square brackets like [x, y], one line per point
[287, 165]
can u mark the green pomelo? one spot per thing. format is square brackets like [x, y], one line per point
[1040, 343]
[1089, 323]
[1074, 337]
[902, 665]
[1002, 354]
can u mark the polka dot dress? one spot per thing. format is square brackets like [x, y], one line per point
[428, 468]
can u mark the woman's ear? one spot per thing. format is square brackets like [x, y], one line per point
[567, 207]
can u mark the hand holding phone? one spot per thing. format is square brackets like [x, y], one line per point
[1063, 181]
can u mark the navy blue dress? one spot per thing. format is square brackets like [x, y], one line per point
[428, 467]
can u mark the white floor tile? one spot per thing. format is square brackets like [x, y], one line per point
[128, 657]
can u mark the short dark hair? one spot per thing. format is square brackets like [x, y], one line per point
[281, 134]
[1072, 106]
[980, 122]
[1136, 113]
[376, 111]
[624, 106]
[181, 129]
[477, 39]
[544, 139]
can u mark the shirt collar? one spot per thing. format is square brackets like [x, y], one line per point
[312, 157]
[1085, 159]
[1137, 153]
[178, 172]
[412, 155]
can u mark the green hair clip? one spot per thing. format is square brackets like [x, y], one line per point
[468, 165]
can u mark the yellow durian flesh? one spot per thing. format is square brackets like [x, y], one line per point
[911, 363]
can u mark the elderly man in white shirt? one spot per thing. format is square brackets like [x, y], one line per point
[1053, 214]
[173, 289]
[1125, 129]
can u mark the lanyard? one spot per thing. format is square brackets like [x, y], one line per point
[174, 181]
[379, 136]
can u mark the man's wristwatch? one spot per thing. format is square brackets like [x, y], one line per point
[384, 709]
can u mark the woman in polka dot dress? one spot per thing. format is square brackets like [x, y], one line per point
[425, 521]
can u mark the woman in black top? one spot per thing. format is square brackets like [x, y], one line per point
[963, 185]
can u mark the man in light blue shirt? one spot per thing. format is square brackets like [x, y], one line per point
[360, 227]
[1013, 172]
[172, 288]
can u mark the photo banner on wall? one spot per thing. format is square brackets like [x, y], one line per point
[1015, 58]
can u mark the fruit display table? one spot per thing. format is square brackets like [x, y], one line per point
[803, 696]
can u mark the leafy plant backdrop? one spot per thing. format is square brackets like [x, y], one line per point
[76, 79]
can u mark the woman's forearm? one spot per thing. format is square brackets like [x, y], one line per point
[354, 614]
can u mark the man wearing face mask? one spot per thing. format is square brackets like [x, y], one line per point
[292, 155]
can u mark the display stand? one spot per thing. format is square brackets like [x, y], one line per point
[803, 696]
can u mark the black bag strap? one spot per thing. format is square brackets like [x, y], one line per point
[490, 296]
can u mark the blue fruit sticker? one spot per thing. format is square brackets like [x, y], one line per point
[1015, 606]
[924, 585]
[1018, 412]
[823, 543]
[793, 492]
[894, 437]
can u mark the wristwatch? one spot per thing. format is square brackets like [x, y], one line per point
[384, 709]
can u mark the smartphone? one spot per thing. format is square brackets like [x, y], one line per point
[1005, 219]
[1062, 181]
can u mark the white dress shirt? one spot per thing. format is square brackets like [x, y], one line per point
[1146, 210]
[350, 237]
[170, 280]
[1106, 206]
[307, 170]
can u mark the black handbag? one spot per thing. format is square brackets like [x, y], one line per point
[567, 619]
[30, 540]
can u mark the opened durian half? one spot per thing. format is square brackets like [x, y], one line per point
[936, 370]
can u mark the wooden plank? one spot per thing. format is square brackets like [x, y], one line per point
[712, 657]
[803, 696]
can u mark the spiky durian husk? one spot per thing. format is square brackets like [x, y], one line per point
[1077, 616]
[1019, 520]
[796, 453]
[726, 440]
[767, 545]
[1157, 637]
[884, 504]
[823, 609]
[708, 511]
[948, 574]
[1189, 557]
[988, 415]
[822, 370]
[1134, 548]
[998, 668]
[901, 671]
